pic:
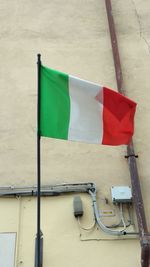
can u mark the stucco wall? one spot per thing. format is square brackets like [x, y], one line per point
[71, 36]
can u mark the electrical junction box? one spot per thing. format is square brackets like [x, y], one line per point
[121, 194]
[78, 207]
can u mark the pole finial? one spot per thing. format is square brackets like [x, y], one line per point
[39, 58]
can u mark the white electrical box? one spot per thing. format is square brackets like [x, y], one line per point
[121, 194]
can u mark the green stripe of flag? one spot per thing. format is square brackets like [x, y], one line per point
[54, 104]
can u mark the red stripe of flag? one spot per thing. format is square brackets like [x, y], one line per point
[118, 118]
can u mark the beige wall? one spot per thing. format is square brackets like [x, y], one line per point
[72, 36]
[64, 242]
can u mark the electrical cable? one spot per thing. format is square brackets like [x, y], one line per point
[122, 217]
[86, 228]
[116, 225]
[130, 214]
[120, 223]
[104, 227]
[99, 222]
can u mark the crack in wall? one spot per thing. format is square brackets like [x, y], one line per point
[140, 26]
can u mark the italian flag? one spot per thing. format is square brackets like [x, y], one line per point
[79, 110]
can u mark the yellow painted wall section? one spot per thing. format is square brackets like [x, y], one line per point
[73, 37]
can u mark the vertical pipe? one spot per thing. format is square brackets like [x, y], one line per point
[114, 43]
[38, 162]
[137, 195]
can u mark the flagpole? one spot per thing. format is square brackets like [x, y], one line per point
[38, 162]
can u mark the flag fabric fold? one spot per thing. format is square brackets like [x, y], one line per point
[79, 110]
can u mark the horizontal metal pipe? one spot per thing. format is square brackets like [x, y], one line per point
[46, 190]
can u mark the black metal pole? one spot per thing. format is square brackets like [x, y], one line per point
[38, 161]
